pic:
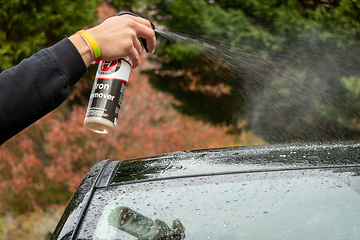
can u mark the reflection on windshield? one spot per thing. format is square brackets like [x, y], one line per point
[273, 205]
[142, 227]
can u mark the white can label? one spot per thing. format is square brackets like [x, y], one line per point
[108, 90]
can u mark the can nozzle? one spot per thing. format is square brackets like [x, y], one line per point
[143, 40]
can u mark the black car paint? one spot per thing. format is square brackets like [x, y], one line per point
[212, 161]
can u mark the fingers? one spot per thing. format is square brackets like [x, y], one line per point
[144, 30]
[134, 53]
[118, 37]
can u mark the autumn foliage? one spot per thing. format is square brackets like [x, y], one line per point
[44, 164]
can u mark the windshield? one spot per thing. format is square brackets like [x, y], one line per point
[311, 204]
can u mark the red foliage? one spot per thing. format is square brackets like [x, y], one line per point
[105, 11]
[44, 164]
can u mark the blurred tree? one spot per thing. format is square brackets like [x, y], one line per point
[128, 5]
[28, 26]
[223, 60]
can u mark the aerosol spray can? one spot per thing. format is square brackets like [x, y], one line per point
[108, 92]
[107, 95]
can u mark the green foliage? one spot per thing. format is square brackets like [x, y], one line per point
[352, 85]
[310, 47]
[182, 52]
[128, 5]
[345, 111]
[28, 26]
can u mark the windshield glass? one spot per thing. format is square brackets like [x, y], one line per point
[311, 204]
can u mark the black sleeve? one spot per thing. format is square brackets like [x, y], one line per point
[37, 85]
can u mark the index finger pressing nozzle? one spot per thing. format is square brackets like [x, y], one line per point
[143, 40]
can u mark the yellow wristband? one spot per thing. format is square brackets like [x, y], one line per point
[93, 44]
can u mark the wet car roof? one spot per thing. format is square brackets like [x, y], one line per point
[240, 159]
[344, 157]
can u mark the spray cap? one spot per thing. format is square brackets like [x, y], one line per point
[142, 39]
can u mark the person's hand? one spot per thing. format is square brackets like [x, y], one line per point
[118, 37]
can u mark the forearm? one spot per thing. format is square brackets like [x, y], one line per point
[37, 86]
[42, 82]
